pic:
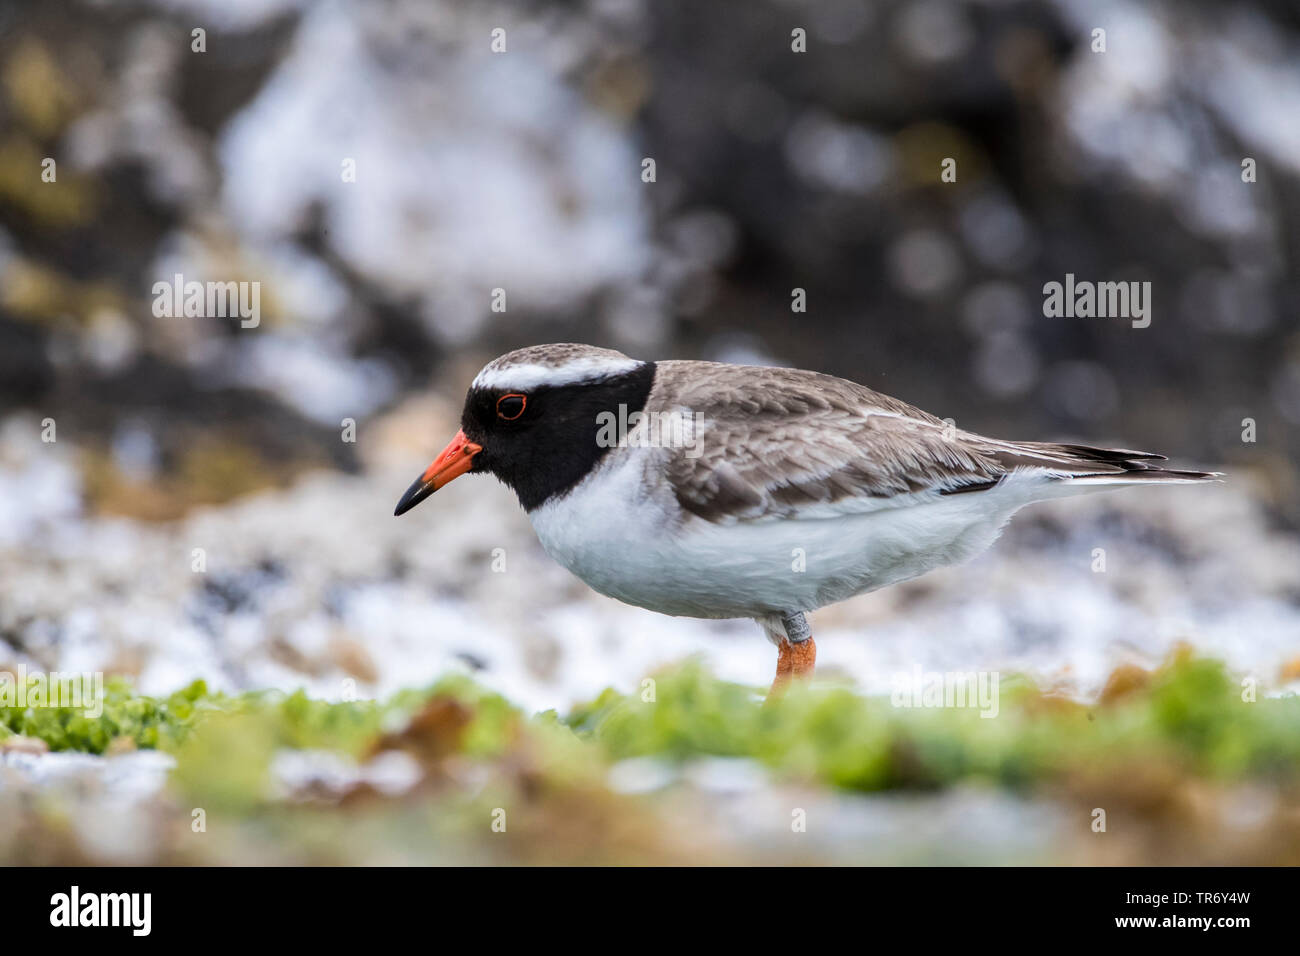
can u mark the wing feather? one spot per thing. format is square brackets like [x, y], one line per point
[779, 443]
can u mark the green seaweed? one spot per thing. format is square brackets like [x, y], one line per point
[147, 722]
[1189, 716]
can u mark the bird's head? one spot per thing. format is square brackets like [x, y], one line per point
[532, 419]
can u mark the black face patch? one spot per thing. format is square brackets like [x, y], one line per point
[550, 443]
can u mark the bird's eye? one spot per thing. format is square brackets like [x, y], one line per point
[510, 407]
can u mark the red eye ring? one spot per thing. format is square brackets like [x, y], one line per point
[523, 403]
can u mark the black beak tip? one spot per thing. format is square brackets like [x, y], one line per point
[414, 495]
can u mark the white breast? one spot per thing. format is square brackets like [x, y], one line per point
[626, 537]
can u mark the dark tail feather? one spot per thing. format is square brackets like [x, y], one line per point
[1091, 453]
[1084, 463]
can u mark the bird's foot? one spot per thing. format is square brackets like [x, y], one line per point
[793, 662]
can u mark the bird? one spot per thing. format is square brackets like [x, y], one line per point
[712, 490]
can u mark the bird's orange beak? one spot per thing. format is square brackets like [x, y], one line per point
[454, 461]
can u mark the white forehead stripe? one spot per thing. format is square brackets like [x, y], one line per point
[530, 375]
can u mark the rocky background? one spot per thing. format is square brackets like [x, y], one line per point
[522, 171]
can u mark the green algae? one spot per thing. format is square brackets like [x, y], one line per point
[1189, 715]
[146, 722]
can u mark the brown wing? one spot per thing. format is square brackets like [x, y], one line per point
[777, 442]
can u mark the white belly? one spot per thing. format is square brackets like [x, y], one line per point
[630, 542]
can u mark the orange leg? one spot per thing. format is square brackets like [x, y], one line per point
[793, 661]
